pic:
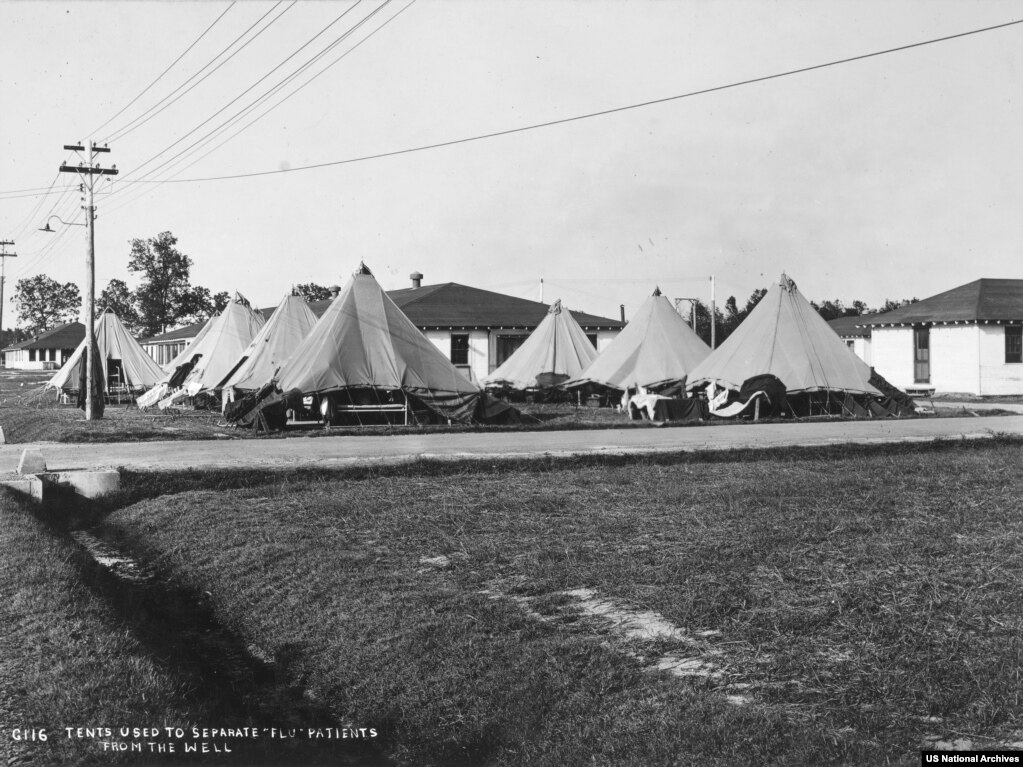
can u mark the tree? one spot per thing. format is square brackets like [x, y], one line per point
[310, 291]
[889, 304]
[200, 304]
[164, 297]
[829, 310]
[44, 303]
[118, 298]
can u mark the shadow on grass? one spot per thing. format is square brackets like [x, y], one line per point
[233, 683]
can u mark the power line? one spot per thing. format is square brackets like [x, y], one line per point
[168, 69]
[240, 95]
[173, 97]
[601, 113]
[252, 106]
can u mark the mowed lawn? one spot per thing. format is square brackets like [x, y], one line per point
[66, 657]
[834, 606]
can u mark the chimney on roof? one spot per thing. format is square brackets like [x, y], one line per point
[417, 279]
[334, 290]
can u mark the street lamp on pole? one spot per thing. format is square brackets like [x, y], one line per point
[87, 171]
[46, 227]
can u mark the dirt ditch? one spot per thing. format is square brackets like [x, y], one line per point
[236, 684]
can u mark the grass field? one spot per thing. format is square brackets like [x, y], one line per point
[65, 657]
[839, 606]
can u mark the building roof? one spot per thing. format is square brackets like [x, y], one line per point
[984, 300]
[448, 305]
[180, 334]
[850, 327]
[452, 305]
[66, 336]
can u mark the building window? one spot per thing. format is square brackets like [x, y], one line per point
[593, 339]
[459, 349]
[31, 355]
[921, 355]
[1014, 343]
[506, 346]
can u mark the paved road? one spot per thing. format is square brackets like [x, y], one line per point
[348, 450]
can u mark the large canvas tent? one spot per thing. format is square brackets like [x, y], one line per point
[786, 347]
[784, 336]
[210, 357]
[276, 341]
[365, 346]
[556, 351]
[655, 350]
[125, 365]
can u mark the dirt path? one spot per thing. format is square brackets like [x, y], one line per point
[342, 450]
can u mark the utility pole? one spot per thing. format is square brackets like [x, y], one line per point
[87, 171]
[4, 255]
[713, 313]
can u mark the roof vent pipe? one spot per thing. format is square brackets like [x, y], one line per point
[417, 279]
[622, 308]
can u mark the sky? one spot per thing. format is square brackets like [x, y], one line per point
[894, 176]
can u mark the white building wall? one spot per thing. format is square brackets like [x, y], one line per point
[955, 360]
[860, 347]
[604, 338]
[997, 376]
[891, 350]
[479, 348]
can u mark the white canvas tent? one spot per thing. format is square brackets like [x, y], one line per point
[210, 357]
[276, 341]
[557, 350]
[364, 341]
[784, 336]
[184, 356]
[657, 348]
[124, 362]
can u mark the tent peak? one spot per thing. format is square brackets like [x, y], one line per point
[240, 299]
[555, 307]
[787, 283]
[363, 269]
[657, 291]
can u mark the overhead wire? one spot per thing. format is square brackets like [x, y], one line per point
[174, 96]
[241, 114]
[168, 69]
[199, 126]
[266, 95]
[589, 115]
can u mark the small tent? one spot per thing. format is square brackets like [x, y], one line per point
[209, 358]
[124, 363]
[556, 351]
[364, 350]
[655, 350]
[279, 337]
[183, 356]
[785, 338]
[222, 345]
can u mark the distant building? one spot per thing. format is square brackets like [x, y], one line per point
[476, 329]
[968, 339]
[855, 334]
[46, 351]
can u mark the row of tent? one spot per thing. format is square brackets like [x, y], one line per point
[364, 352]
[784, 346]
